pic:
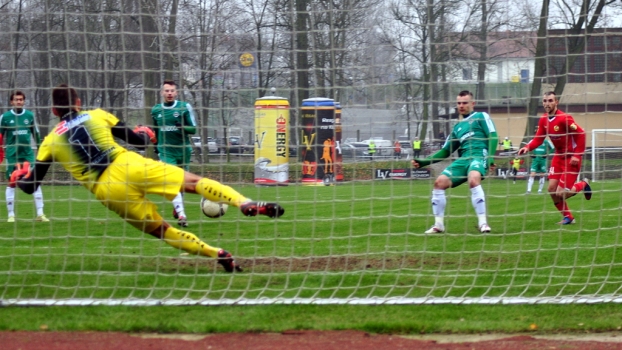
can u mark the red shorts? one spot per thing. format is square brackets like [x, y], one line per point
[564, 172]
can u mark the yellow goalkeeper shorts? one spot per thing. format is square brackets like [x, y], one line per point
[123, 187]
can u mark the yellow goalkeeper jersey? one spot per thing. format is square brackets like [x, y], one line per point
[83, 144]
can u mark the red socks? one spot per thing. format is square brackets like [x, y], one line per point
[563, 208]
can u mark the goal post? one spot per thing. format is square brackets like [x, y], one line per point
[606, 154]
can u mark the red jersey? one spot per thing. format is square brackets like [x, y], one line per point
[566, 135]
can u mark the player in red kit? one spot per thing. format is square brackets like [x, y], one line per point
[569, 141]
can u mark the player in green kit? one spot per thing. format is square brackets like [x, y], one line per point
[18, 127]
[538, 164]
[475, 139]
[173, 122]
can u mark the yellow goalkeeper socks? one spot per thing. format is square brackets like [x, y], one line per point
[217, 192]
[188, 242]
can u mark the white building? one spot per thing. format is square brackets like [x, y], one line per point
[510, 58]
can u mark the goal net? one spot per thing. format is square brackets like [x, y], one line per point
[606, 154]
[355, 91]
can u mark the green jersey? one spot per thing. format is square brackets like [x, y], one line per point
[173, 122]
[474, 136]
[18, 129]
[544, 149]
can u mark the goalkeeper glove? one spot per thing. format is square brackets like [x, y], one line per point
[141, 129]
[21, 170]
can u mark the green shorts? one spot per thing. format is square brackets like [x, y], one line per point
[538, 166]
[180, 158]
[19, 158]
[459, 170]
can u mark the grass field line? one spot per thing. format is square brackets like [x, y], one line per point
[402, 272]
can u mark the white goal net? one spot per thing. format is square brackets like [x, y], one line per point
[386, 73]
[606, 154]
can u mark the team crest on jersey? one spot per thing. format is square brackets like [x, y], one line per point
[26, 122]
[556, 128]
[573, 127]
[176, 114]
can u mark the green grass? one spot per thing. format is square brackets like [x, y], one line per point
[414, 319]
[354, 240]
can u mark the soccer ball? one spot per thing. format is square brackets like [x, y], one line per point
[213, 209]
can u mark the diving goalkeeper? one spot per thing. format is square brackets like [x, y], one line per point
[83, 143]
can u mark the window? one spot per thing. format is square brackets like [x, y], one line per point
[467, 74]
[524, 75]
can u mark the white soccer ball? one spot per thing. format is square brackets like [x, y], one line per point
[213, 209]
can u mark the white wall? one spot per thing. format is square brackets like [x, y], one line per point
[498, 71]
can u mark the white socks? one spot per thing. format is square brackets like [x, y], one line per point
[10, 201]
[479, 204]
[439, 201]
[178, 204]
[38, 201]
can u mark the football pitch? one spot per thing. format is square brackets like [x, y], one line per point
[358, 240]
[341, 244]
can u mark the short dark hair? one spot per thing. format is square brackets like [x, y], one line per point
[169, 82]
[465, 93]
[64, 99]
[551, 93]
[17, 93]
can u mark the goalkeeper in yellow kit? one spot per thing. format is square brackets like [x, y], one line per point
[83, 143]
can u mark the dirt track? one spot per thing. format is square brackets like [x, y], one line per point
[302, 340]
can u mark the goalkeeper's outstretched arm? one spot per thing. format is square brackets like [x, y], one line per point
[126, 134]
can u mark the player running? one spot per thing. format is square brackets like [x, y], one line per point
[18, 128]
[538, 165]
[568, 138]
[173, 122]
[83, 143]
[475, 139]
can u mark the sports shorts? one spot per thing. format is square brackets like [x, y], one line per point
[18, 158]
[564, 172]
[459, 170]
[124, 185]
[538, 166]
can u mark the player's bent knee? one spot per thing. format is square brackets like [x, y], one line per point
[442, 182]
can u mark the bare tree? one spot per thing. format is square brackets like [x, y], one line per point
[490, 20]
[539, 70]
[430, 46]
[581, 24]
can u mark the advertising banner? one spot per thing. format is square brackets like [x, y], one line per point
[338, 138]
[421, 173]
[318, 141]
[271, 141]
[402, 174]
